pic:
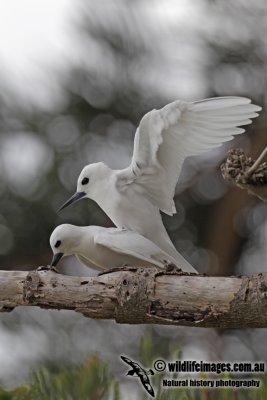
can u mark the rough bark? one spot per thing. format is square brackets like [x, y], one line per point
[141, 296]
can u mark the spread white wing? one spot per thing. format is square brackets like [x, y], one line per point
[132, 244]
[166, 137]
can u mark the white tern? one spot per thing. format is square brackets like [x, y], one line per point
[132, 197]
[106, 248]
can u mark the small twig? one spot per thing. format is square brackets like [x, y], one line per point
[257, 162]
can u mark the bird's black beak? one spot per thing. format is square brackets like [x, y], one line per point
[77, 196]
[56, 258]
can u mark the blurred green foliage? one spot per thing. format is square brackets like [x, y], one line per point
[93, 381]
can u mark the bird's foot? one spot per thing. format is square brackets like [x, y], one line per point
[170, 267]
[47, 268]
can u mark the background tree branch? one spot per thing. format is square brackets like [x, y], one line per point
[246, 173]
[139, 296]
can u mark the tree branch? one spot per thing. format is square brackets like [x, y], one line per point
[246, 173]
[141, 296]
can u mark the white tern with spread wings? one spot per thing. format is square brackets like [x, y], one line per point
[132, 197]
[106, 248]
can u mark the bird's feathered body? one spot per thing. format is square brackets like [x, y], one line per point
[105, 248]
[142, 216]
[133, 197]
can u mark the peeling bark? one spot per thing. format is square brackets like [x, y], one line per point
[143, 295]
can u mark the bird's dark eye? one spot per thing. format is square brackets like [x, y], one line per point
[85, 181]
[58, 243]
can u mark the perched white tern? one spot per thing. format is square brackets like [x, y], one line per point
[106, 248]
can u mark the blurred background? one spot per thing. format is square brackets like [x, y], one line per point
[75, 79]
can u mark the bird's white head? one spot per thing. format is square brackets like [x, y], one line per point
[63, 241]
[90, 180]
[90, 177]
